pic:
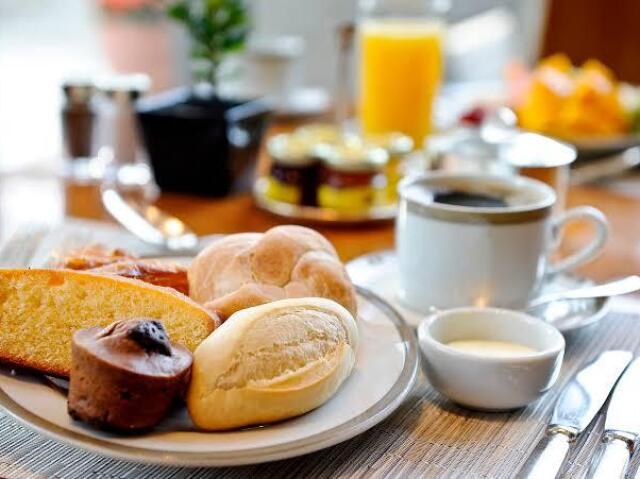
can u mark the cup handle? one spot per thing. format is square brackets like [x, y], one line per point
[587, 213]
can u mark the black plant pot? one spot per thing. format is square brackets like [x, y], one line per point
[201, 144]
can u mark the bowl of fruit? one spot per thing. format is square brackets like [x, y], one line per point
[584, 105]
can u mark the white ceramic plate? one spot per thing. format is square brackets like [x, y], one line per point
[385, 370]
[379, 272]
[598, 146]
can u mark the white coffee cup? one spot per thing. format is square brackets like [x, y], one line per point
[451, 255]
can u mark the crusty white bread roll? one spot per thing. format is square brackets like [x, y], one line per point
[271, 362]
[248, 269]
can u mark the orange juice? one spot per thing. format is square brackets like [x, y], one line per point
[400, 71]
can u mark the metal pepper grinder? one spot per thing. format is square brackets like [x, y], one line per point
[78, 118]
[123, 91]
[346, 33]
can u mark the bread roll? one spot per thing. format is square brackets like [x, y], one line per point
[271, 362]
[248, 269]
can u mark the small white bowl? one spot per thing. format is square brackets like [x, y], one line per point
[483, 382]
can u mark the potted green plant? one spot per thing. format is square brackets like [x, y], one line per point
[198, 142]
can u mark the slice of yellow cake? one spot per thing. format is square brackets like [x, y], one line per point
[40, 309]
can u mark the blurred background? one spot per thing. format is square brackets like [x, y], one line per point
[293, 55]
[44, 42]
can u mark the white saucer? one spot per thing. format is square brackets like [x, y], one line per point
[378, 272]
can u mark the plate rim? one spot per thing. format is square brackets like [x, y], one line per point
[606, 142]
[602, 311]
[375, 414]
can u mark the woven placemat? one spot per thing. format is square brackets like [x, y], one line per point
[426, 437]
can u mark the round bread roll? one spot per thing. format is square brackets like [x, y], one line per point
[249, 269]
[271, 362]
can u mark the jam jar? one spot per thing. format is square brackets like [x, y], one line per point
[293, 176]
[352, 178]
[398, 146]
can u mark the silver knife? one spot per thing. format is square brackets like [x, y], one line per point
[621, 427]
[578, 404]
[149, 223]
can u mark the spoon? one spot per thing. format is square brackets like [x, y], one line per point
[149, 223]
[627, 285]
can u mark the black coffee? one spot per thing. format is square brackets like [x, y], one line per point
[463, 198]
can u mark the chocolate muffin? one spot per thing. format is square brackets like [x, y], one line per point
[125, 377]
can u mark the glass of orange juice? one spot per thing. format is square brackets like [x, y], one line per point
[401, 65]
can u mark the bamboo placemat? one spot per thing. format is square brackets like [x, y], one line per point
[426, 437]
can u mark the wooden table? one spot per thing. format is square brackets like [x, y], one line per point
[621, 256]
[36, 198]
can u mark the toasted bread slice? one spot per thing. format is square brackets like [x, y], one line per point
[40, 309]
